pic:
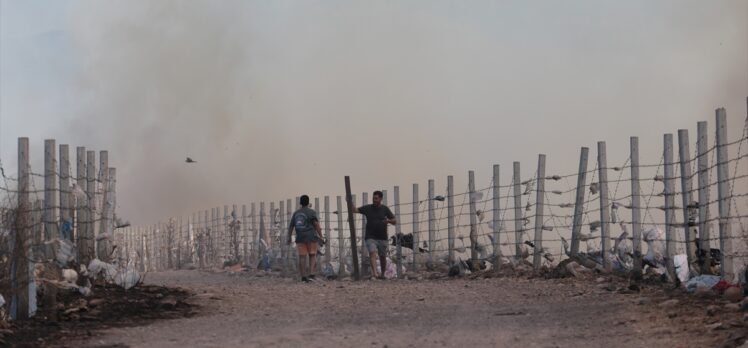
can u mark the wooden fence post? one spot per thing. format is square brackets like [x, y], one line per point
[702, 145]
[352, 226]
[496, 218]
[416, 231]
[669, 206]
[539, 200]
[473, 217]
[636, 207]
[579, 202]
[21, 270]
[51, 195]
[686, 193]
[725, 196]
[518, 229]
[602, 167]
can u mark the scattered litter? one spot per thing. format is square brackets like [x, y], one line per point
[703, 281]
[69, 275]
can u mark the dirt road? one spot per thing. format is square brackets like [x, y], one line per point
[244, 310]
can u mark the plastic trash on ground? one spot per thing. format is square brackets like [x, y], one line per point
[328, 271]
[98, 268]
[70, 275]
[704, 281]
[681, 267]
[127, 278]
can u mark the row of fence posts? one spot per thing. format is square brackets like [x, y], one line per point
[211, 234]
[62, 214]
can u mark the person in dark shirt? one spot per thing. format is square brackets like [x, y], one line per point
[377, 218]
[306, 224]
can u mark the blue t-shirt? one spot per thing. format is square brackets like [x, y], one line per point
[303, 222]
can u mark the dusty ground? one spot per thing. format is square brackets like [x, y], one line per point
[244, 310]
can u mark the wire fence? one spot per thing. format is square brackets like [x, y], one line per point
[687, 211]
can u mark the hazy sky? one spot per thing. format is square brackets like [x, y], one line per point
[278, 98]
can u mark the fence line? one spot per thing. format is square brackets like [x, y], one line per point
[678, 206]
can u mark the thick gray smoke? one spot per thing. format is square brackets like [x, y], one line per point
[275, 99]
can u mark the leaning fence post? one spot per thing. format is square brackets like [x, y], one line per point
[352, 226]
[685, 181]
[51, 213]
[415, 222]
[496, 218]
[398, 233]
[341, 239]
[669, 206]
[517, 212]
[473, 219]
[725, 196]
[636, 226]
[702, 145]
[432, 227]
[579, 202]
[602, 167]
[21, 271]
[539, 200]
[451, 220]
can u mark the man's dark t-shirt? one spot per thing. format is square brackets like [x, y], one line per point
[376, 227]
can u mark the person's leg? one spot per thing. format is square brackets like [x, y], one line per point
[382, 246]
[312, 247]
[383, 263]
[302, 259]
[372, 261]
[372, 247]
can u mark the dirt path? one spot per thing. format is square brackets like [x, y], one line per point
[243, 310]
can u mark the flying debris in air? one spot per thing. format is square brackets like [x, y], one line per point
[190, 160]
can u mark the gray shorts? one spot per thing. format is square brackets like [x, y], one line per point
[380, 246]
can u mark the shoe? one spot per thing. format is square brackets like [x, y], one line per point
[310, 277]
[305, 279]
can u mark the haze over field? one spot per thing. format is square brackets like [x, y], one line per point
[275, 99]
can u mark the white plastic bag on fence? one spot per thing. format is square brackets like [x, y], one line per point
[2, 301]
[655, 246]
[66, 252]
[681, 267]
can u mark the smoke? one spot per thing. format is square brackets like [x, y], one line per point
[275, 99]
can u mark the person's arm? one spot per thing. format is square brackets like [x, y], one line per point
[353, 207]
[390, 218]
[290, 230]
[318, 228]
